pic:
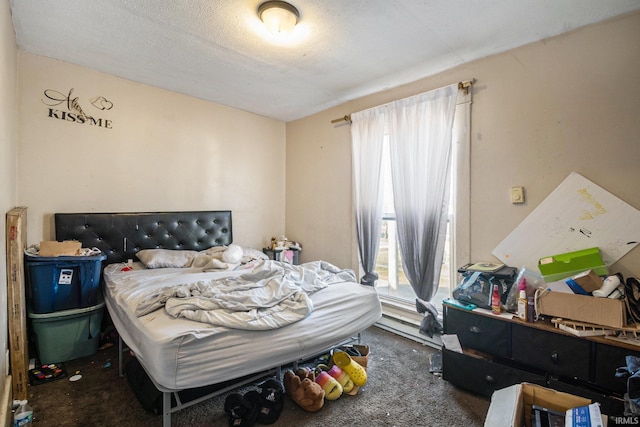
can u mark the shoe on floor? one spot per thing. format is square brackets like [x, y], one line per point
[242, 412]
[356, 372]
[342, 377]
[270, 401]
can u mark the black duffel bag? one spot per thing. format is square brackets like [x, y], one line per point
[476, 286]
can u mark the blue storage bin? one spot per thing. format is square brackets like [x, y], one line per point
[63, 282]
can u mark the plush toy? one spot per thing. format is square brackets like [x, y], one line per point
[331, 386]
[342, 377]
[303, 390]
[233, 254]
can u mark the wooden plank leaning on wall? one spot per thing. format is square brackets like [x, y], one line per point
[17, 307]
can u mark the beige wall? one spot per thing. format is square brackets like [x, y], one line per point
[8, 144]
[163, 152]
[570, 103]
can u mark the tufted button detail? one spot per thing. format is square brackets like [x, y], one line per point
[188, 230]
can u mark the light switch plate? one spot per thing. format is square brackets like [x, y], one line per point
[517, 195]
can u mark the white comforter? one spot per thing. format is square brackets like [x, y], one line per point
[268, 296]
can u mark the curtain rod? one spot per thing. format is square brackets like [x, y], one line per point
[463, 85]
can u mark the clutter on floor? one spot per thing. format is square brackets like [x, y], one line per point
[262, 405]
[435, 363]
[46, 373]
[511, 406]
[325, 378]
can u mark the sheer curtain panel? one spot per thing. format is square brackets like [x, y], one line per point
[420, 134]
[367, 136]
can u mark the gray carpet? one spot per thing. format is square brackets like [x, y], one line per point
[400, 392]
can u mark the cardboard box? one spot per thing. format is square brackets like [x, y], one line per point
[583, 308]
[588, 280]
[511, 406]
[16, 243]
[557, 267]
[52, 248]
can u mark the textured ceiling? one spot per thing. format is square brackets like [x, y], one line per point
[218, 50]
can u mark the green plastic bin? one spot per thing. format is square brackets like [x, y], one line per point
[68, 334]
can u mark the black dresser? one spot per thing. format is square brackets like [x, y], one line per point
[500, 352]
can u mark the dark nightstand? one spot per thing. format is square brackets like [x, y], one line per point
[277, 254]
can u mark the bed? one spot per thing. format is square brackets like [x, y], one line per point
[185, 352]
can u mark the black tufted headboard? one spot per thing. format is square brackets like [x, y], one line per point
[121, 235]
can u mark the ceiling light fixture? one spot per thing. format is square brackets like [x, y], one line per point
[278, 16]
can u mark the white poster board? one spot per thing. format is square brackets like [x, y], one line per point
[576, 215]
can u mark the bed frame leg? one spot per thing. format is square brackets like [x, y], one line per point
[120, 358]
[166, 409]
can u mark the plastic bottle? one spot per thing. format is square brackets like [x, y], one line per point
[23, 415]
[522, 286]
[531, 309]
[495, 300]
[522, 305]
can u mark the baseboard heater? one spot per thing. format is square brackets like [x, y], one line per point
[408, 330]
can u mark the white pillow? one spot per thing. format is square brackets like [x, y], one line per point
[166, 258]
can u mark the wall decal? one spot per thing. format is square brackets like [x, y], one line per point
[70, 110]
[102, 103]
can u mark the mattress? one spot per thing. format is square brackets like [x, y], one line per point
[180, 353]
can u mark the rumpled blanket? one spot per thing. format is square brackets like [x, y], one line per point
[269, 296]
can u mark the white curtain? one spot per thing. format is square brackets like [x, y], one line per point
[420, 134]
[367, 136]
